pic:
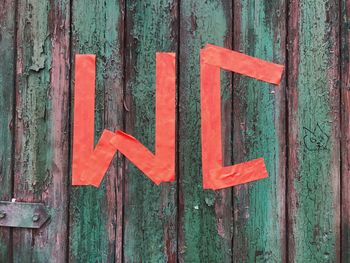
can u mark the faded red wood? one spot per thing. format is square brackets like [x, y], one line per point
[345, 129]
[41, 126]
[114, 116]
[7, 83]
[292, 99]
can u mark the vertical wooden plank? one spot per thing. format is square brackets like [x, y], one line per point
[96, 213]
[314, 167]
[259, 131]
[7, 82]
[345, 129]
[41, 125]
[205, 218]
[150, 210]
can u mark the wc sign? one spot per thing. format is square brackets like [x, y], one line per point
[91, 163]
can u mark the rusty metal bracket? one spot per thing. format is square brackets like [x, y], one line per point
[25, 215]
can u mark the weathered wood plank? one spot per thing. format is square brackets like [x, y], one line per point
[41, 125]
[345, 129]
[314, 167]
[259, 131]
[150, 210]
[7, 83]
[96, 214]
[205, 218]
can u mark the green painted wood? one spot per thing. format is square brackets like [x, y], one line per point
[96, 213]
[205, 218]
[314, 172]
[41, 126]
[7, 82]
[178, 221]
[150, 211]
[345, 130]
[259, 131]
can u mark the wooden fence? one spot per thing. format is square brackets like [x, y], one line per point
[301, 213]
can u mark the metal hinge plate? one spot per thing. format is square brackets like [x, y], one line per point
[25, 215]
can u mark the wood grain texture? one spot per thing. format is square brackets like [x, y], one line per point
[96, 213]
[301, 213]
[345, 129]
[259, 131]
[150, 232]
[41, 126]
[314, 167]
[7, 83]
[205, 218]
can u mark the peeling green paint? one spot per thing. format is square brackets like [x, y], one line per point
[38, 163]
[152, 230]
[259, 127]
[7, 82]
[93, 210]
[201, 22]
[317, 185]
[150, 210]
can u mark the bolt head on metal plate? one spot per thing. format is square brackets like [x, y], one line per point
[25, 215]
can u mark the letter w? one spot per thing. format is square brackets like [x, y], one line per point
[89, 164]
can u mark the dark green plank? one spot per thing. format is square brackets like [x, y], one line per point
[41, 125]
[205, 216]
[96, 213]
[150, 210]
[259, 131]
[345, 129]
[313, 95]
[7, 82]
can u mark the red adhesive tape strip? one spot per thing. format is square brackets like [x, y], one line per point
[84, 154]
[89, 164]
[242, 64]
[212, 58]
[161, 166]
